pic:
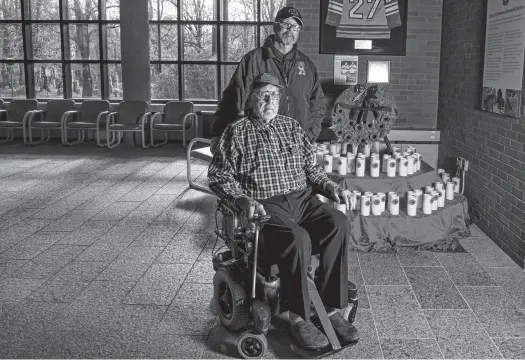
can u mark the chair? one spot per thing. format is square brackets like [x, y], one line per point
[131, 116]
[91, 116]
[49, 119]
[174, 118]
[202, 153]
[15, 117]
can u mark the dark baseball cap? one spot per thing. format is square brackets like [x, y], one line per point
[288, 12]
[265, 79]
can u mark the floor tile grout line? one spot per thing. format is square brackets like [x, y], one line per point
[371, 310]
[509, 296]
[473, 312]
[420, 307]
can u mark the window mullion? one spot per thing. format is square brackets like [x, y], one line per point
[179, 50]
[65, 51]
[28, 49]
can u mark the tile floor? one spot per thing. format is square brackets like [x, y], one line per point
[106, 254]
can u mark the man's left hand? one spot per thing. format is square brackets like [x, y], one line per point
[342, 195]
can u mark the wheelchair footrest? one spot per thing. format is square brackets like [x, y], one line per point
[317, 354]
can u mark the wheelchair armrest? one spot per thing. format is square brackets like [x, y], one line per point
[316, 189]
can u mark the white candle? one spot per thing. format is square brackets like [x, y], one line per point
[391, 167]
[441, 198]
[360, 167]
[374, 166]
[393, 205]
[341, 166]
[410, 165]
[427, 204]
[365, 205]
[333, 149]
[450, 191]
[328, 163]
[319, 157]
[376, 205]
[456, 182]
[385, 162]
[350, 163]
[403, 165]
[357, 195]
[412, 205]
[335, 161]
[382, 196]
[435, 197]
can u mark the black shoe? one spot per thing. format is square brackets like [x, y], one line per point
[307, 335]
[345, 331]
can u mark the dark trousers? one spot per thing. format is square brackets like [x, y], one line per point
[301, 225]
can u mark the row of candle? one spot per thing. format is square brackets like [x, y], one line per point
[343, 148]
[334, 157]
[352, 164]
[429, 200]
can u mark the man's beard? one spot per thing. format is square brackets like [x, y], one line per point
[288, 39]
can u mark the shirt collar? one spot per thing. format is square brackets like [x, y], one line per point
[259, 124]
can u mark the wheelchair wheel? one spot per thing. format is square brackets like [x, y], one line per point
[252, 346]
[228, 296]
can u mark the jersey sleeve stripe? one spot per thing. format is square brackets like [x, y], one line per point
[335, 7]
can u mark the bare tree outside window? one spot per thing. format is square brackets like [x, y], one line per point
[64, 53]
[195, 46]
[214, 36]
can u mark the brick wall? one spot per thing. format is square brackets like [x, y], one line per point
[414, 77]
[494, 145]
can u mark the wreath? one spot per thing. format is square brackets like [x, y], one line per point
[363, 114]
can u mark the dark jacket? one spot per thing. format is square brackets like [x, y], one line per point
[303, 98]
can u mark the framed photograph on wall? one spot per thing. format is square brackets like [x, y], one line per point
[363, 27]
[378, 72]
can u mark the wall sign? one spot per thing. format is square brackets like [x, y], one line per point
[504, 57]
[345, 70]
[363, 27]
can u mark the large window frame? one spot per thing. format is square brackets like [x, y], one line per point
[65, 60]
[222, 77]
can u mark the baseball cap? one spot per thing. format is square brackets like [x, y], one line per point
[287, 12]
[265, 79]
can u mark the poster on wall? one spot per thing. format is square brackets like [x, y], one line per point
[504, 58]
[362, 27]
[345, 70]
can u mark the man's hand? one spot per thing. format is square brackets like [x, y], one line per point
[214, 144]
[249, 208]
[341, 195]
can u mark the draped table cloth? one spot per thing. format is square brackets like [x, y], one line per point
[439, 231]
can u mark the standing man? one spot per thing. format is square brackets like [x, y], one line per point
[303, 97]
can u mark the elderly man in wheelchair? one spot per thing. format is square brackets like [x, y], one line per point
[263, 172]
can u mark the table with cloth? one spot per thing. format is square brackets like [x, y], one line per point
[439, 231]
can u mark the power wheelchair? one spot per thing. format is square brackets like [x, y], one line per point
[246, 290]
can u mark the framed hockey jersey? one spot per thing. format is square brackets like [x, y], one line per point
[363, 27]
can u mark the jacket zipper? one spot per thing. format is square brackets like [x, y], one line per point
[287, 99]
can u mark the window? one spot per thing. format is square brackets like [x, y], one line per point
[195, 45]
[60, 49]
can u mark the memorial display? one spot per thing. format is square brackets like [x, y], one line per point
[400, 200]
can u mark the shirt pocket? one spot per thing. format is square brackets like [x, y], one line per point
[258, 161]
[294, 157]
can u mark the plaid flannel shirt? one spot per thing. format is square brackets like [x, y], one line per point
[261, 160]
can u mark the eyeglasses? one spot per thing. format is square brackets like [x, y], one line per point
[288, 26]
[263, 95]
